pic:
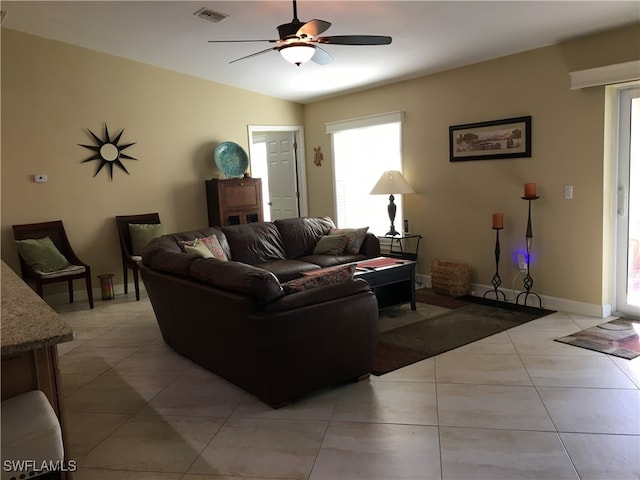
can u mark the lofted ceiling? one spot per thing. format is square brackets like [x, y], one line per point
[428, 36]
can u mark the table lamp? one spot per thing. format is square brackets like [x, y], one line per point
[391, 182]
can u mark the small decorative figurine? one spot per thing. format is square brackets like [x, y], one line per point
[318, 156]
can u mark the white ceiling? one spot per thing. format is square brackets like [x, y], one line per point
[428, 36]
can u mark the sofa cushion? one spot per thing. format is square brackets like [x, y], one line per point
[300, 235]
[334, 275]
[287, 270]
[237, 277]
[254, 243]
[357, 237]
[324, 261]
[161, 260]
[332, 244]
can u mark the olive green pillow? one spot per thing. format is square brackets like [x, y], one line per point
[143, 233]
[41, 254]
[331, 245]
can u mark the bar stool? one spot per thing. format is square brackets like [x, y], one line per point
[31, 437]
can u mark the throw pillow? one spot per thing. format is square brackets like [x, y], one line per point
[213, 244]
[331, 245]
[335, 275]
[41, 255]
[355, 244]
[199, 248]
[143, 233]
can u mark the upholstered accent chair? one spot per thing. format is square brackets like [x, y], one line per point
[130, 258]
[45, 261]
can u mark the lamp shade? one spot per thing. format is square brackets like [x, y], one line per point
[391, 182]
[297, 53]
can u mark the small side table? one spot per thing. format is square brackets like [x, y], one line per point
[400, 246]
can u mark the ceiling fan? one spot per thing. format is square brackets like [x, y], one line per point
[298, 42]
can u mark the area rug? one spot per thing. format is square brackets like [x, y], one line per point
[618, 337]
[408, 336]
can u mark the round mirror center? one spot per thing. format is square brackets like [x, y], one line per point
[109, 152]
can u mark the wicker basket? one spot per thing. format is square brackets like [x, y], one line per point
[450, 278]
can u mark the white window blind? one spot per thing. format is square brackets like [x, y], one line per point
[363, 149]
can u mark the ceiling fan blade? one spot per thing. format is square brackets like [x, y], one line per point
[321, 57]
[355, 40]
[313, 28]
[240, 41]
[254, 54]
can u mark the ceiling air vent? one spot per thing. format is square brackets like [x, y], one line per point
[211, 15]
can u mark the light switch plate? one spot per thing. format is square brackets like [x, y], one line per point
[40, 178]
[568, 192]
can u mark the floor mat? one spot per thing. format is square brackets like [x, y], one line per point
[618, 337]
[418, 336]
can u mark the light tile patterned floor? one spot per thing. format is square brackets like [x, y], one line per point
[514, 405]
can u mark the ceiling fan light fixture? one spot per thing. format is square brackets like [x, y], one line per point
[297, 54]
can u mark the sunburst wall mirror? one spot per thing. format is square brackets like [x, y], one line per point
[108, 152]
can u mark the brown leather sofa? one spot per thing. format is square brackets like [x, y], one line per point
[233, 317]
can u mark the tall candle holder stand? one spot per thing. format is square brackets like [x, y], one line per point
[528, 281]
[496, 281]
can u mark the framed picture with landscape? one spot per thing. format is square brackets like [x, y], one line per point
[506, 138]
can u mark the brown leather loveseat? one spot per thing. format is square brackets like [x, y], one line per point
[234, 318]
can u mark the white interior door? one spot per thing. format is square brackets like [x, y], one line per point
[283, 184]
[277, 156]
[628, 208]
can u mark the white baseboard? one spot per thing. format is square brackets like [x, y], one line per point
[550, 303]
[475, 289]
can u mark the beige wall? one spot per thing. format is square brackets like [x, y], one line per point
[53, 92]
[454, 201]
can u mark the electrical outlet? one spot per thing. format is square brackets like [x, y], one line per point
[522, 264]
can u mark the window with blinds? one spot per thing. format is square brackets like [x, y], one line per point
[363, 149]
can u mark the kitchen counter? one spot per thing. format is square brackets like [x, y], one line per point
[30, 331]
[27, 322]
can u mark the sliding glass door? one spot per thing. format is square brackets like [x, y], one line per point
[628, 205]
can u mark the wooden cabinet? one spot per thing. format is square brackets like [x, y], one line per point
[234, 201]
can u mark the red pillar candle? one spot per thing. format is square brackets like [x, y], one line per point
[529, 190]
[497, 221]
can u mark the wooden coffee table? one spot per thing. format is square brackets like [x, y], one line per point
[391, 279]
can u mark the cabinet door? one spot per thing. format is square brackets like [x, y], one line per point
[233, 218]
[252, 217]
[241, 194]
